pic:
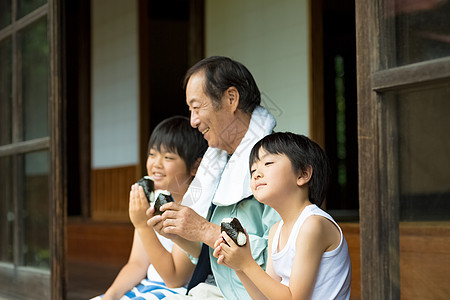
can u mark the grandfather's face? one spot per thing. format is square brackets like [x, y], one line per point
[211, 121]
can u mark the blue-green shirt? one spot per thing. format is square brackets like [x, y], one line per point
[257, 219]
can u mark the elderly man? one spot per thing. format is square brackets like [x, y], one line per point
[224, 102]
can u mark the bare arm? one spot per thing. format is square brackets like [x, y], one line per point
[311, 242]
[246, 268]
[174, 267]
[316, 236]
[131, 273]
[251, 288]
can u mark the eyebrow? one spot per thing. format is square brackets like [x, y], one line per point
[261, 157]
[189, 102]
[266, 154]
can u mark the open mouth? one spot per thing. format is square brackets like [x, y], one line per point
[205, 131]
[157, 176]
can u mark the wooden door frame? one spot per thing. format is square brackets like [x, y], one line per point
[378, 217]
[379, 203]
[39, 284]
[316, 72]
[58, 183]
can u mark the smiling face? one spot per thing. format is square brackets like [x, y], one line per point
[168, 171]
[272, 178]
[212, 120]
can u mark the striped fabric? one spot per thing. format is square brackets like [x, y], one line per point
[149, 290]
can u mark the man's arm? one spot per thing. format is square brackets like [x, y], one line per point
[186, 223]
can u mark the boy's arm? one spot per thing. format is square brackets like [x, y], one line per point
[262, 284]
[251, 288]
[174, 268]
[314, 238]
[257, 282]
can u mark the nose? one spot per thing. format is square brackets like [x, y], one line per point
[195, 121]
[257, 175]
[158, 161]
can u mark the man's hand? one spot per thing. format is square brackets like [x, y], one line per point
[185, 222]
[157, 223]
[138, 206]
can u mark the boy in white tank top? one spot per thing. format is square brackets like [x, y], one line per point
[308, 254]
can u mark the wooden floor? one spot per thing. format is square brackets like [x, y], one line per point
[87, 279]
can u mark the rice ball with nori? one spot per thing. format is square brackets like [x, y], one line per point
[234, 229]
[161, 197]
[149, 186]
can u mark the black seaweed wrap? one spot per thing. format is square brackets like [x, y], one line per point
[160, 200]
[148, 185]
[233, 228]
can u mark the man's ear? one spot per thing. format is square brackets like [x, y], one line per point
[195, 166]
[305, 176]
[232, 96]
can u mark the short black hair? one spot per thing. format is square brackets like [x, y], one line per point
[176, 135]
[222, 73]
[302, 152]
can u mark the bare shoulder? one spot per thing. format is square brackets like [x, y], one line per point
[320, 231]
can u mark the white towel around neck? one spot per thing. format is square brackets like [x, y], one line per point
[227, 183]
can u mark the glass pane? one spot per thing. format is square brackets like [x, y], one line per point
[422, 30]
[424, 154]
[5, 13]
[6, 210]
[5, 91]
[422, 140]
[35, 79]
[26, 6]
[36, 210]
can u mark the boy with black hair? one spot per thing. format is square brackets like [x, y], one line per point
[308, 254]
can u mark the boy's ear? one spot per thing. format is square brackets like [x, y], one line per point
[305, 176]
[195, 166]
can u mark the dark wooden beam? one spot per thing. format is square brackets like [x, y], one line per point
[378, 219]
[435, 71]
[316, 76]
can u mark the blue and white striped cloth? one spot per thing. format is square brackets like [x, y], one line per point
[149, 290]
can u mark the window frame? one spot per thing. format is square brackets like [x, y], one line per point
[379, 205]
[14, 276]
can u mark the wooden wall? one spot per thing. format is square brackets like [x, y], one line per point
[105, 243]
[424, 259]
[110, 192]
[351, 233]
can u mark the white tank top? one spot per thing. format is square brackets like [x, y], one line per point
[334, 276]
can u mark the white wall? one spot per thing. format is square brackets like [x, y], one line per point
[114, 83]
[271, 39]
